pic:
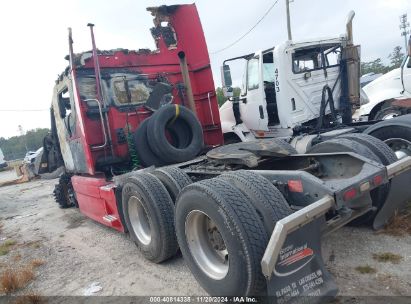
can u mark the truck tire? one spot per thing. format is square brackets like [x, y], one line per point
[378, 195]
[388, 113]
[145, 155]
[161, 121]
[221, 238]
[344, 145]
[378, 147]
[149, 216]
[174, 179]
[268, 201]
[64, 193]
[396, 133]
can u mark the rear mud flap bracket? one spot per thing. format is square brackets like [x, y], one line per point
[292, 263]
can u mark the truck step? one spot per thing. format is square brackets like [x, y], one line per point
[110, 218]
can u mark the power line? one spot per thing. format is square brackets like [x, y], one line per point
[29, 110]
[248, 32]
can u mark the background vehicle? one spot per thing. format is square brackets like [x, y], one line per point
[389, 95]
[367, 78]
[289, 87]
[247, 217]
[3, 163]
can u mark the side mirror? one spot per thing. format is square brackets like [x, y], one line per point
[226, 79]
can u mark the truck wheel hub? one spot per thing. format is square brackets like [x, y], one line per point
[139, 220]
[401, 147]
[207, 245]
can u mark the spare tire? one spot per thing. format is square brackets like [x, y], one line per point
[183, 123]
[145, 155]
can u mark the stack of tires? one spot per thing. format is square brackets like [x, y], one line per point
[172, 134]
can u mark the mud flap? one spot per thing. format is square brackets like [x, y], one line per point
[299, 273]
[400, 194]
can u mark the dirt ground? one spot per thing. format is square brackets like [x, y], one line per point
[78, 252]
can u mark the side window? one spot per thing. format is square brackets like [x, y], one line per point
[333, 56]
[253, 73]
[129, 91]
[67, 110]
[315, 58]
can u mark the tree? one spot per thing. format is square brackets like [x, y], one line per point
[15, 147]
[376, 66]
[396, 57]
[220, 95]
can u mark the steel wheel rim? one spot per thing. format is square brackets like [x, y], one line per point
[202, 237]
[400, 146]
[389, 116]
[139, 220]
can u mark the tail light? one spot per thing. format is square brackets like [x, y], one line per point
[377, 180]
[350, 194]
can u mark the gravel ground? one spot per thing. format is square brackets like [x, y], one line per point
[78, 251]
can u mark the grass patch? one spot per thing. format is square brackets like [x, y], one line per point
[400, 223]
[367, 269]
[5, 247]
[12, 280]
[17, 257]
[387, 257]
[36, 263]
[31, 298]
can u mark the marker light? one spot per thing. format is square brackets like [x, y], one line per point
[295, 186]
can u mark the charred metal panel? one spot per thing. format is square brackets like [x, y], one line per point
[77, 152]
[125, 98]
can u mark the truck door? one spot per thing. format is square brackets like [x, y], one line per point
[311, 68]
[252, 100]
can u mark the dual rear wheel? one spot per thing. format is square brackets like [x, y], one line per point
[221, 225]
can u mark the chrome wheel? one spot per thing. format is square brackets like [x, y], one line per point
[206, 245]
[401, 147]
[139, 220]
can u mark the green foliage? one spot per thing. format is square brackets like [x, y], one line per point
[221, 98]
[377, 66]
[396, 57]
[15, 147]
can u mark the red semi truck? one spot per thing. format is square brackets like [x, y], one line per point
[140, 139]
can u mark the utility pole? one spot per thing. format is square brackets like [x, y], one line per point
[21, 131]
[404, 28]
[287, 5]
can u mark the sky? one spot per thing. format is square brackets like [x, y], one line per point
[34, 38]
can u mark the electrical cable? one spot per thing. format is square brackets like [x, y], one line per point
[15, 110]
[248, 32]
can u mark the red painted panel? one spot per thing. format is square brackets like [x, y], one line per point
[96, 199]
[165, 63]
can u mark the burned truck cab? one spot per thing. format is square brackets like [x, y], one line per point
[102, 98]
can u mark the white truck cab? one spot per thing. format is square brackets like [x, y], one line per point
[282, 88]
[293, 88]
[388, 94]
